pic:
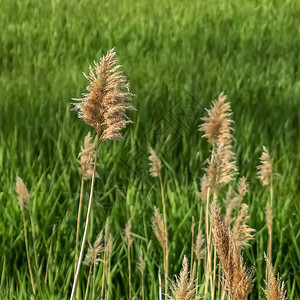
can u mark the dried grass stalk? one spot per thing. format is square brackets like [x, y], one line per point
[275, 289]
[158, 227]
[141, 267]
[265, 173]
[184, 286]
[155, 164]
[103, 107]
[128, 241]
[238, 277]
[217, 126]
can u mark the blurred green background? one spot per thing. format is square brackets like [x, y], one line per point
[178, 56]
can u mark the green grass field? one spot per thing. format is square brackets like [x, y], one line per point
[178, 56]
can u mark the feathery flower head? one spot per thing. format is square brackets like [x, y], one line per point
[159, 228]
[183, 288]
[141, 264]
[265, 173]
[204, 184]
[94, 251]
[155, 164]
[242, 233]
[127, 238]
[23, 194]
[199, 248]
[222, 168]
[238, 277]
[104, 105]
[217, 126]
[87, 158]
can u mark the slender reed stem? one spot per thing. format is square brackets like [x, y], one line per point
[88, 283]
[104, 270]
[166, 241]
[78, 224]
[34, 248]
[129, 270]
[27, 253]
[159, 289]
[86, 223]
[207, 272]
[192, 246]
[215, 260]
[143, 293]
[108, 277]
[94, 273]
[270, 235]
[49, 255]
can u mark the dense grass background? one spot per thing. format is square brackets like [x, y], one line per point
[178, 56]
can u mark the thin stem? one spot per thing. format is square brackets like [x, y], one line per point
[129, 271]
[143, 294]
[108, 276]
[93, 295]
[49, 255]
[192, 250]
[86, 222]
[215, 259]
[88, 283]
[166, 241]
[207, 244]
[104, 269]
[34, 247]
[27, 253]
[78, 224]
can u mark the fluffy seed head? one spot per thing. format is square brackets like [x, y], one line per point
[104, 105]
[141, 264]
[155, 164]
[199, 248]
[183, 288]
[221, 168]
[92, 256]
[265, 173]
[87, 158]
[203, 188]
[242, 233]
[238, 277]
[128, 239]
[275, 289]
[217, 126]
[159, 228]
[23, 195]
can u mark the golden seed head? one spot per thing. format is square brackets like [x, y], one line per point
[217, 126]
[155, 164]
[127, 238]
[141, 264]
[23, 195]
[159, 228]
[92, 256]
[104, 105]
[87, 158]
[265, 173]
[183, 288]
[199, 248]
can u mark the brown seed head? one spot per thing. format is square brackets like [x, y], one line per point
[275, 289]
[199, 248]
[159, 228]
[92, 256]
[23, 195]
[242, 233]
[203, 191]
[221, 168]
[183, 288]
[141, 264]
[217, 126]
[104, 105]
[128, 239]
[87, 158]
[265, 173]
[155, 164]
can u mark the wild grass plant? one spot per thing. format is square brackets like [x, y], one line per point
[250, 51]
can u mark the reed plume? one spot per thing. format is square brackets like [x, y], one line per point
[238, 277]
[199, 250]
[141, 267]
[241, 232]
[275, 289]
[128, 241]
[92, 259]
[103, 107]
[23, 197]
[155, 171]
[217, 126]
[184, 286]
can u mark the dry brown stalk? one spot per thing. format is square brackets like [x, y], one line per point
[106, 235]
[269, 225]
[155, 171]
[23, 197]
[238, 278]
[88, 283]
[108, 251]
[199, 250]
[128, 241]
[192, 247]
[184, 286]
[141, 267]
[103, 107]
[217, 126]
[241, 232]
[275, 289]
